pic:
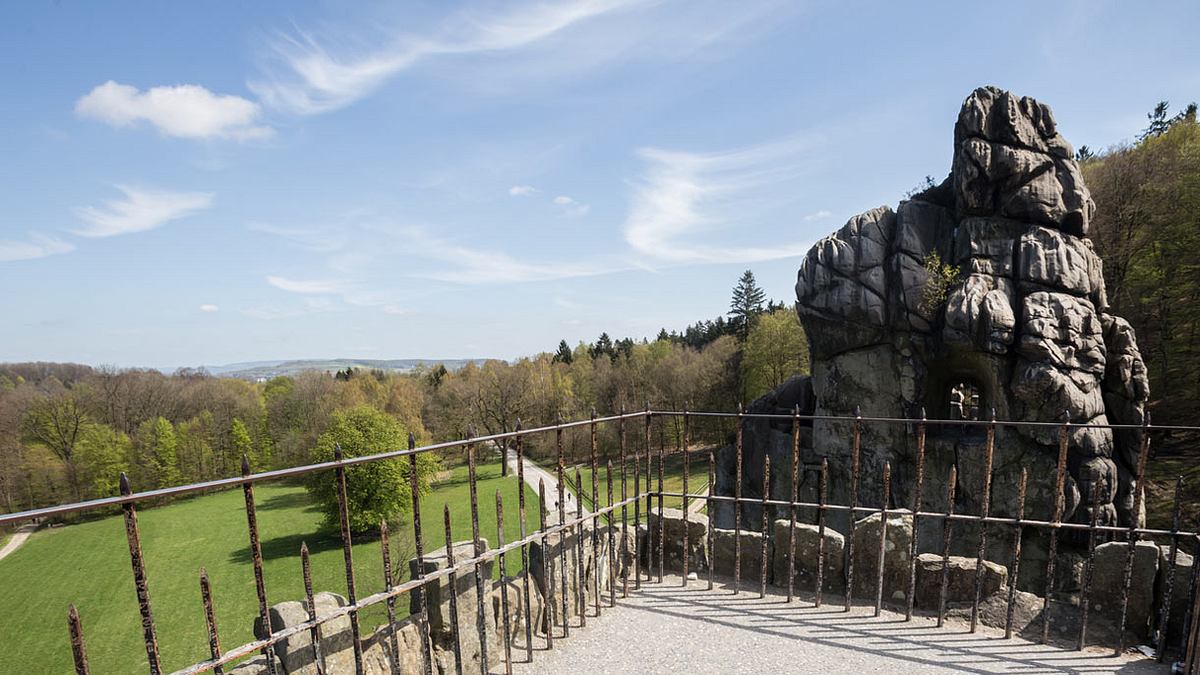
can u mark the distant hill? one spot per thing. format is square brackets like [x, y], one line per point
[253, 370]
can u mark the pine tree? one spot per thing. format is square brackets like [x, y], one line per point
[1158, 121]
[603, 347]
[564, 354]
[747, 303]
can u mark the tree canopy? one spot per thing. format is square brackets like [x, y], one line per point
[375, 491]
[1147, 231]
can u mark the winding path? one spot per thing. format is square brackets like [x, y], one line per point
[18, 538]
[535, 474]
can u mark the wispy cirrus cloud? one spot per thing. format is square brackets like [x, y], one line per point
[35, 245]
[310, 71]
[682, 198]
[315, 77]
[307, 286]
[141, 209]
[310, 238]
[521, 190]
[182, 111]
[456, 262]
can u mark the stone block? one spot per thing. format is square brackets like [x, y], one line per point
[295, 652]
[571, 549]
[441, 627]
[960, 585]
[673, 527]
[895, 557]
[724, 554]
[1108, 581]
[808, 538]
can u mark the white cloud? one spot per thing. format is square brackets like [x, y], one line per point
[307, 286]
[819, 215]
[141, 209]
[684, 195]
[521, 190]
[572, 207]
[315, 79]
[466, 265]
[183, 111]
[476, 266]
[209, 307]
[318, 239]
[36, 245]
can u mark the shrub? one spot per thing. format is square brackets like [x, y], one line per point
[940, 277]
[375, 491]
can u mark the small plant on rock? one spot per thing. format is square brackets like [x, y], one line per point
[939, 278]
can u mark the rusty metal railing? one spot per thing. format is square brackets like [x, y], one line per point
[630, 459]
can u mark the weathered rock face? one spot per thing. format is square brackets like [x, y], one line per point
[1024, 322]
[763, 438]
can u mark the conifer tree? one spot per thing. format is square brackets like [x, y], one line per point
[746, 304]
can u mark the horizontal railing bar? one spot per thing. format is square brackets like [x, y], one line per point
[406, 587]
[758, 501]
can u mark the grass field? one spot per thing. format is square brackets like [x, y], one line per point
[88, 564]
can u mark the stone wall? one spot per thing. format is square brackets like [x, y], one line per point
[1145, 598]
[295, 656]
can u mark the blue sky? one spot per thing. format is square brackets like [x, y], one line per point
[196, 183]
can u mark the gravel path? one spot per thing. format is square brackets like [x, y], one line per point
[18, 538]
[534, 474]
[668, 629]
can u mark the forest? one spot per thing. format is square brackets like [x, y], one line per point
[67, 431]
[1147, 231]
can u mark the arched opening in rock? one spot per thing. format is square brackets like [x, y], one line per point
[956, 389]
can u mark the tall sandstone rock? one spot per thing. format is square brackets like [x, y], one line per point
[1025, 322]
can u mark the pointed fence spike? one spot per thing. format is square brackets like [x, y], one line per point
[78, 647]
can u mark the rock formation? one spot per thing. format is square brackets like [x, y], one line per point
[1022, 324]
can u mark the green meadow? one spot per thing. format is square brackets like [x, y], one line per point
[88, 564]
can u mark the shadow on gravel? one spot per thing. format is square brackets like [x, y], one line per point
[918, 643]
